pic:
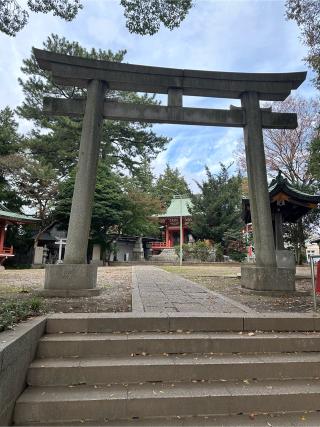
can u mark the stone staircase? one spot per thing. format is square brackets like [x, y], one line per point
[180, 369]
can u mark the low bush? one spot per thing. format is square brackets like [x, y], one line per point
[237, 256]
[196, 251]
[12, 312]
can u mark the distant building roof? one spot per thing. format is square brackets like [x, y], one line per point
[177, 207]
[5, 213]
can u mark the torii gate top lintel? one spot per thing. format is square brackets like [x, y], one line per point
[72, 70]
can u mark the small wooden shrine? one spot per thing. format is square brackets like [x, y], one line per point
[287, 206]
[170, 221]
[8, 218]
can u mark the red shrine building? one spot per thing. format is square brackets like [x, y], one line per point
[170, 222]
[8, 218]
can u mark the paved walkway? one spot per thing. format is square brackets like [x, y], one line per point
[156, 290]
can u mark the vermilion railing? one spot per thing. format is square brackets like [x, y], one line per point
[160, 245]
[6, 251]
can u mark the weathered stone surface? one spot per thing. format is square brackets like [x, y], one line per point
[71, 70]
[155, 290]
[160, 114]
[70, 277]
[267, 278]
[286, 259]
[82, 201]
[17, 350]
[258, 184]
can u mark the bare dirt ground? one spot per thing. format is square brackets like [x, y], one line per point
[224, 279]
[114, 281]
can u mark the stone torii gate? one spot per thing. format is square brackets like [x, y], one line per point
[100, 76]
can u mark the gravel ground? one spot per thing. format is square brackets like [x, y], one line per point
[223, 279]
[114, 281]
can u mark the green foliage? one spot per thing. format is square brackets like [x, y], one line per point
[14, 17]
[237, 256]
[125, 144]
[10, 143]
[35, 181]
[217, 209]
[120, 206]
[314, 163]
[306, 13]
[146, 16]
[171, 183]
[199, 250]
[12, 312]
[218, 249]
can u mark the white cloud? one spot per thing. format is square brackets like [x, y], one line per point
[230, 35]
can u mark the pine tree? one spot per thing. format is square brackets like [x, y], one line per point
[56, 139]
[171, 183]
[216, 211]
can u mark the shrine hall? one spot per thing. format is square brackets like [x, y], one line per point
[170, 223]
[288, 205]
[10, 218]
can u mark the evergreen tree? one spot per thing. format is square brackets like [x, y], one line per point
[125, 144]
[10, 143]
[171, 183]
[14, 17]
[120, 207]
[146, 16]
[314, 162]
[216, 211]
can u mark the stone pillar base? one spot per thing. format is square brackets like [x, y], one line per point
[285, 259]
[70, 278]
[267, 278]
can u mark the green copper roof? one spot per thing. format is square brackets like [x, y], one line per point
[280, 183]
[177, 207]
[6, 214]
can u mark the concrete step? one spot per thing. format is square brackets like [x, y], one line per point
[122, 369]
[45, 405]
[126, 322]
[91, 345]
[293, 419]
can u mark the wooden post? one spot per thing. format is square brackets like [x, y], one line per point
[2, 234]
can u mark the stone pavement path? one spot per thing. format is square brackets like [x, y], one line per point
[156, 290]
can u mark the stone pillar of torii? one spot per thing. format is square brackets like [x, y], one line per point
[100, 76]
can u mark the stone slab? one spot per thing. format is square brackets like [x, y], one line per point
[267, 278]
[70, 277]
[156, 290]
[285, 258]
[69, 293]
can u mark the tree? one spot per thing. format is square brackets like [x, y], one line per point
[10, 142]
[216, 211]
[120, 207]
[14, 17]
[35, 182]
[306, 13]
[145, 17]
[289, 150]
[314, 164]
[170, 183]
[56, 139]
[294, 152]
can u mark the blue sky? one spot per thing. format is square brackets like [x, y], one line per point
[222, 35]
